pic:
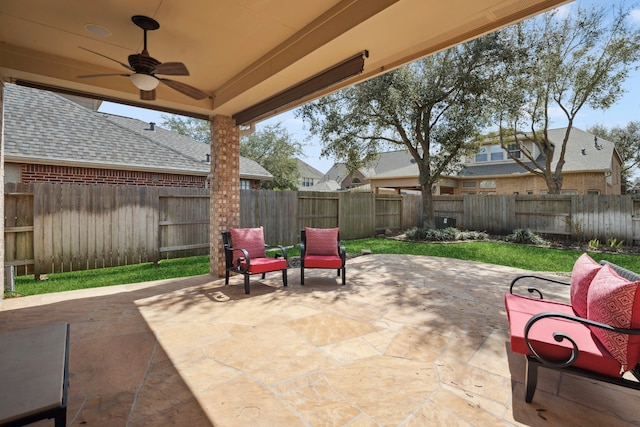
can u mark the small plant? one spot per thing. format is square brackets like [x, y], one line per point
[614, 244]
[576, 227]
[473, 235]
[526, 236]
[448, 234]
[594, 244]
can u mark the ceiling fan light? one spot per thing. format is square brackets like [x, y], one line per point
[144, 81]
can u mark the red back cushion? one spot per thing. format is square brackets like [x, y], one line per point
[584, 270]
[249, 239]
[321, 241]
[615, 301]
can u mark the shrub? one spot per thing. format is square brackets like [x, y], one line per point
[473, 235]
[526, 236]
[448, 234]
[594, 244]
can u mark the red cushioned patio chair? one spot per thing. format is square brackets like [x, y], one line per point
[244, 251]
[320, 248]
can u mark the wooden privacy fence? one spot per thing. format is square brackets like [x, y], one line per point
[284, 213]
[62, 227]
[575, 217]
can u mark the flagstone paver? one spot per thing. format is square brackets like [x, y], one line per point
[409, 341]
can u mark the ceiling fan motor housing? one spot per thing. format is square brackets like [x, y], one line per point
[143, 63]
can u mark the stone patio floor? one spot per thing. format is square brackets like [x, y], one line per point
[409, 341]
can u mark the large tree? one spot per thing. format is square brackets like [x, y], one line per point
[274, 149]
[627, 141]
[561, 63]
[197, 129]
[433, 108]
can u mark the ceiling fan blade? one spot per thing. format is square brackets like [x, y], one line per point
[184, 89]
[171, 69]
[111, 59]
[103, 75]
[148, 95]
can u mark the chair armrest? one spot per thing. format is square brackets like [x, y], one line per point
[532, 289]
[561, 336]
[342, 251]
[283, 251]
[302, 249]
[245, 256]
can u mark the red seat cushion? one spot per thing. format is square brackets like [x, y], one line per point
[249, 239]
[615, 301]
[584, 270]
[321, 241]
[322, 261]
[264, 265]
[592, 355]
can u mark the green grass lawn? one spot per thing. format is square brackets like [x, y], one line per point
[519, 256]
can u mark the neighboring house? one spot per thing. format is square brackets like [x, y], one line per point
[309, 176]
[385, 163]
[592, 166]
[50, 138]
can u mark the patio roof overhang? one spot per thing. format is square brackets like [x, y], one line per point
[240, 52]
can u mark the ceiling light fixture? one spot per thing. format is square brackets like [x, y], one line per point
[348, 68]
[97, 30]
[144, 81]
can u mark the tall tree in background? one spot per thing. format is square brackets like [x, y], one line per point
[273, 148]
[432, 108]
[188, 126]
[627, 142]
[561, 63]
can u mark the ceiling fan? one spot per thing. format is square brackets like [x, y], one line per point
[145, 69]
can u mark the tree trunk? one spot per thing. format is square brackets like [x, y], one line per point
[428, 217]
[554, 184]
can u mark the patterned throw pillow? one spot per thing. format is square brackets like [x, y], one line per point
[250, 239]
[321, 241]
[615, 301]
[584, 270]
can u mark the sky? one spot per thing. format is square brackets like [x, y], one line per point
[623, 112]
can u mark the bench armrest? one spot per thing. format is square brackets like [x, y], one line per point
[532, 290]
[560, 336]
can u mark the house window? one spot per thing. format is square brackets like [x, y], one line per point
[307, 182]
[595, 192]
[514, 150]
[468, 184]
[355, 180]
[245, 184]
[497, 153]
[488, 183]
[481, 155]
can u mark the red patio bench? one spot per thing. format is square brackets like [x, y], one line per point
[596, 336]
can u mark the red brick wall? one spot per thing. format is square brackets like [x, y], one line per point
[80, 175]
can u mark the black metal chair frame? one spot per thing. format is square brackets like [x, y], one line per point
[342, 252]
[237, 268]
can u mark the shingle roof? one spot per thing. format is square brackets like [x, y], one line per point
[592, 159]
[387, 164]
[42, 126]
[188, 147]
[308, 171]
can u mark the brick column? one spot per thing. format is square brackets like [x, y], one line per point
[2, 187]
[225, 187]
